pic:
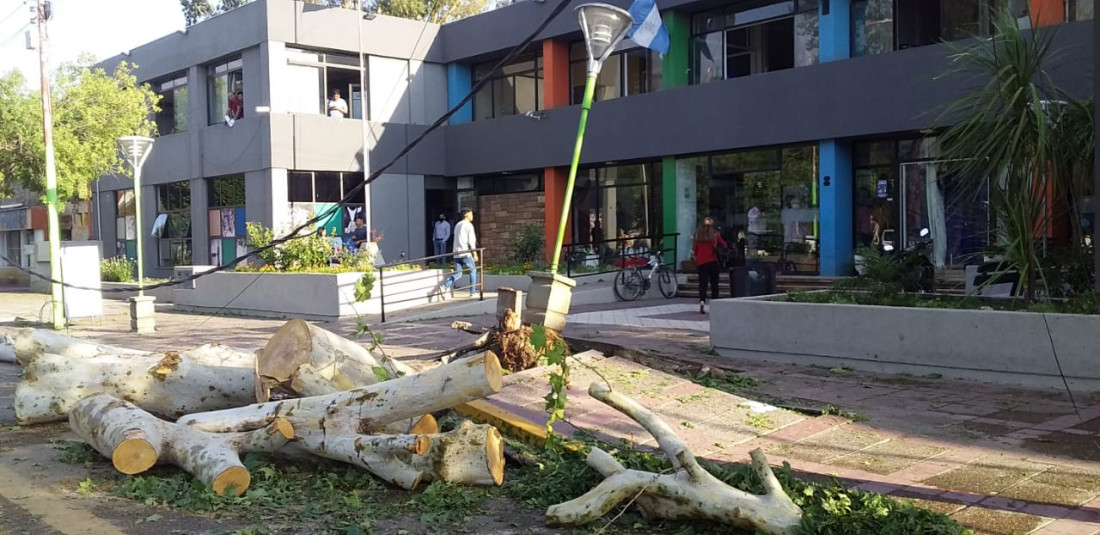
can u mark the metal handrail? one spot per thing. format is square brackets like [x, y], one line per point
[570, 250]
[479, 266]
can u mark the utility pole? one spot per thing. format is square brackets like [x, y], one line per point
[364, 125]
[42, 13]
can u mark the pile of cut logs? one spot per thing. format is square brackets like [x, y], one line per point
[310, 392]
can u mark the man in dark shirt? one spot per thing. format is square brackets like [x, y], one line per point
[359, 236]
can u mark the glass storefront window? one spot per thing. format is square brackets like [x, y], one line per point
[872, 27]
[758, 37]
[1080, 9]
[174, 243]
[628, 72]
[225, 92]
[226, 220]
[764, 201]
[614, 203]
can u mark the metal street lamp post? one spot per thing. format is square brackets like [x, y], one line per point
[365, 126]
[604, 27]
[135, 149]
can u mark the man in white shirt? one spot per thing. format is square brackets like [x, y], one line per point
[465, 256]
[337, 107]
[441, 232]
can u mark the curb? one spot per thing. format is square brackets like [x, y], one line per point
[508, 423]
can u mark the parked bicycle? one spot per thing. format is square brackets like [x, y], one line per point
[634, 281]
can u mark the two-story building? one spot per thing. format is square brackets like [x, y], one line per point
[802, 126]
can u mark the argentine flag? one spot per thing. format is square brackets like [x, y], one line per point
[648, 30]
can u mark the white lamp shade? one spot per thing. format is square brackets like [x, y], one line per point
[135, 149]
[603, 26]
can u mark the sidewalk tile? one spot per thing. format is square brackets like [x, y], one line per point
[1068, 527]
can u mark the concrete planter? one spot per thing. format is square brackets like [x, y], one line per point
[1000, 347]
[515, 282]
[548, 299]
[308, 295]
[163, 295]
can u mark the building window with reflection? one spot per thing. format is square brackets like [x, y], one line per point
[225, 205]
[125, 224]
[172, 225]
[627, 72]
[516, 89]
[173, 115]
[314, 193]
[613, 210]
[225, 92]
[315, 76]
[746, 39]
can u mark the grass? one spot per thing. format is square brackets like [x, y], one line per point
[731, 383]
[328, 497]
[759, 421]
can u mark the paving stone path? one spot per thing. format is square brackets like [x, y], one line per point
[999, 459]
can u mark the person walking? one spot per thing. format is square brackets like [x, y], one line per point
[441, 232]
[705, 249]
[465, 243]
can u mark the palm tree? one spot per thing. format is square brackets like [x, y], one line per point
[1022, 139]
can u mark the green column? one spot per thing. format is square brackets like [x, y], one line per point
[675, 70]
[676, 67]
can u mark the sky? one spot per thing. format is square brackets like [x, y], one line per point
[103, 28]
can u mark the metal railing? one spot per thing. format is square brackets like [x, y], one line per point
[424, 263]
[612, 255]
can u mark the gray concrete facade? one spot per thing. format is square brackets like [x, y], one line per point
[872, 96]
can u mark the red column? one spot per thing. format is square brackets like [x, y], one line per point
[1046, 12]
[555, 65]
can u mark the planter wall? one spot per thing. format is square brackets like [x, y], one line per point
[308, 295]
[163, 295]
[515, 282]
[1001, 347]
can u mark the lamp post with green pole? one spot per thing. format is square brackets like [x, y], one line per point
[135, 149]
[604, 26]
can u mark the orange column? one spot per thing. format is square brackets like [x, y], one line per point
[555, 65]
[1046, 12]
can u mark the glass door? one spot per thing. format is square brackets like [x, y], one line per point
[935, 198]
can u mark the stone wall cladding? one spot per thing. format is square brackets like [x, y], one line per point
[503, 216]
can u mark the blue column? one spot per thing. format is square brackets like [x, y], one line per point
[459, 81]
[835, 205]
[835, 30]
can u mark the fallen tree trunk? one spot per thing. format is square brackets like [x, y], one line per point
[31, 343]
[366, 410]
[169, 385]
[690, 493]
[135, 440]
[472, 454]
[302, 359]
[7, 350]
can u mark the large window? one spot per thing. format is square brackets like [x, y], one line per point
[125, 224]
[315, 76]
[225, 92]
[614, 203]
[624, 73]
[902, 187]
[173, 114]
[763, 201]
[226, 217]
[173, 224]
[753, 37]
[316, 192]
[516, 89]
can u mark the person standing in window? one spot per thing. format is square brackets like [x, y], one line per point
[465, 256]
[441, 232]
[706, 242]
[236, 101]
[337, 107]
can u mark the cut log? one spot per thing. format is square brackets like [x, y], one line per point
[472, 454]
[302, 360]
[169, 384]
[135, 440]
[366, 410]
[380, 455]
[690, 493]
[31, 343]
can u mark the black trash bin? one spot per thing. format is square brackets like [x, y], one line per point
[752, 279]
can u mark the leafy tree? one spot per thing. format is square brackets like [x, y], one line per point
[1020, 136]
[91, 109]
[434, 11]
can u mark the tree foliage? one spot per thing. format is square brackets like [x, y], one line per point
[91, 109]
[1022, 138]
[434, 11]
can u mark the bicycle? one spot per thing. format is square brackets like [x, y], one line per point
[633, 282]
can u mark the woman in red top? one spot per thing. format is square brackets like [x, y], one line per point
[706, 240]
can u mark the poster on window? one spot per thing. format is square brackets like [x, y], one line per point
[238, 213]
[229, 223]
[214, 223]
[882, 189]
[215, 252]
[131, 227]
